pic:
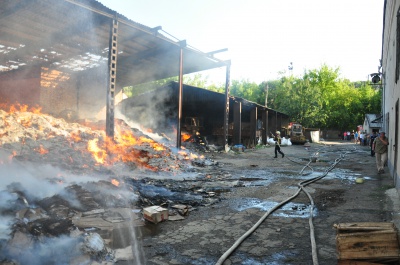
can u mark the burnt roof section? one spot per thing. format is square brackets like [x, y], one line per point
[73, 35]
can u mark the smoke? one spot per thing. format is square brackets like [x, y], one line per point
[60, 250]
[38, 181]
[24, 183]
[6, 199]
[151, 110]
[5, 224]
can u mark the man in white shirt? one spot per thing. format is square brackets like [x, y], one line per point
[362, 136]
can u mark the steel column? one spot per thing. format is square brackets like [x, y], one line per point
[265, 129]
[178, 133]
[253, 127]
[112, 71]
[237, 122]
[226, 114]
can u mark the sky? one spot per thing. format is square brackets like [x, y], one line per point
[264, 37]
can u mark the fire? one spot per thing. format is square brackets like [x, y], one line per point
[185, 136]
[115, 182]
[122, 148]
[41, 150]
[75, 136]
[188, 156]
[126, 146]
[98, 154]
[17, 107]
[26, 123]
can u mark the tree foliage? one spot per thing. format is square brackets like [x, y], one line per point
[321, 99]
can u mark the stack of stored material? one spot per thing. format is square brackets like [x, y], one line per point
[367, 243]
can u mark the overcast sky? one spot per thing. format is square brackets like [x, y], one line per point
[264, 36]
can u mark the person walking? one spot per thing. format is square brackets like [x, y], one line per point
[278, 141]
[362, 138]
[356, 137]
[371, 143]
[380, 148]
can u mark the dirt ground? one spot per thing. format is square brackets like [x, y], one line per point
[250, 183]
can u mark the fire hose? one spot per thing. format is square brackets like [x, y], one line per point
[301, 186]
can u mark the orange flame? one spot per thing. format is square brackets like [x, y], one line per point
[122, 148]
[185, 136]
[98, 154]
[115, 182]
[75, 136]
[41, 150]
[26, 123]
[20, 107]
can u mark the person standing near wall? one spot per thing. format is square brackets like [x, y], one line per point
[380, 147]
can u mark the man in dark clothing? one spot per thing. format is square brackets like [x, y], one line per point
[371, 142]
[278, 142]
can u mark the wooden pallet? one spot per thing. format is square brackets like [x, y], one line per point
[356, 262]
[367, 243]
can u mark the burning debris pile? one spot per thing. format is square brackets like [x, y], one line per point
[67, 188]
[70, 145]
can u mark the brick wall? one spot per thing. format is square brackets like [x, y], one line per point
[20, 86]
[83, 93]
[57, 92]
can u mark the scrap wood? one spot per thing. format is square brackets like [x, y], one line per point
[182, 209]
[364, 226]
[357, 262]
[373, 242]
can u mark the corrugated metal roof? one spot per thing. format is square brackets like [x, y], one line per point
[73, 35]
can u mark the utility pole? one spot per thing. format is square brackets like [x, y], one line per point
[266, 95]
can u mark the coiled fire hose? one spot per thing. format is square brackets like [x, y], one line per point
[301, 185]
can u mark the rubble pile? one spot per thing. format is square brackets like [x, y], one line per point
[73, 146]
[67, 188]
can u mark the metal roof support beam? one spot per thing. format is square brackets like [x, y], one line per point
[112, 72]
[265, 127]
[237, 122]
[226, 114]
[178, 131]
[211, 54]
[253, 126]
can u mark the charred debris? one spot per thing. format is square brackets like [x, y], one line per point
[66, 188]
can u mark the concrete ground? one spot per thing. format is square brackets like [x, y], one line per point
[347, 189]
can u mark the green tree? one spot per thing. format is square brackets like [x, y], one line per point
[321, 99]
[245, 89]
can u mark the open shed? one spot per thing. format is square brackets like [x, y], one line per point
[75, 56]
[203, 111]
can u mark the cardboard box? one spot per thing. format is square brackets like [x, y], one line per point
[155, 214]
